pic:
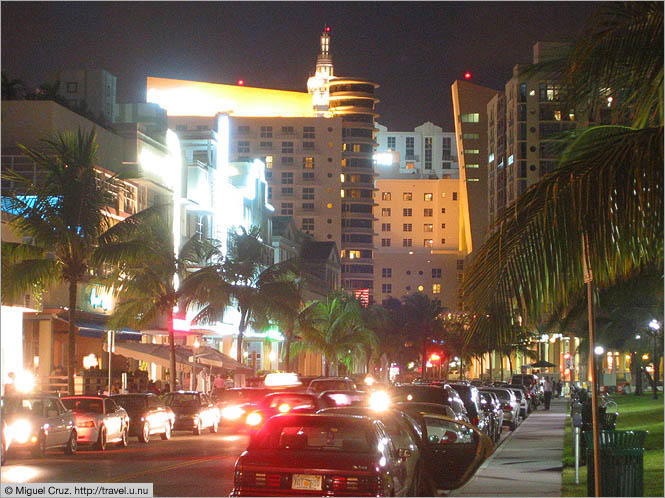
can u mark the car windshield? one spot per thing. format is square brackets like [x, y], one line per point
[328, 385]
[239, 395]
[24, 406]
[181, 399]
[316, 433]
[84, 405]
[131, 402]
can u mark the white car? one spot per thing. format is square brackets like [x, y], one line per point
[99, 420]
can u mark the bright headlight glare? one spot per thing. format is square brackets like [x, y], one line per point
[232, 412]
[254, 419]
[25, 381]
[20, 431]
[379, 401]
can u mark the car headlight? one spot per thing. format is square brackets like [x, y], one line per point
[254, 419]
[379, 401]
[20, 431]
[232, 412]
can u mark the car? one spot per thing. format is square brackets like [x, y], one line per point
[321, 384]
[148, 415]
[99, 420]
[344, 398]
[491, 405]
[320, 454]
[528, 395]
[469, 396]
[424, 393]
[509, 404]
[406, 436]
[281, 402]
[532, 384]
[522, 399]
[39, 422]
[434, 408]
[194, 411]
[235, 403]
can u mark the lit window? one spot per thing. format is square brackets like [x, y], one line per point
[410, 165]
[385, 196]
[473, 117]
[471, 151]
[428, 243]
[308, 163]
[428, 227]
[436, 288]
[385, 211]
[268, 162]
[471, 136]
[511, 159]
[472, 166]
[407, 196]
[429, 197]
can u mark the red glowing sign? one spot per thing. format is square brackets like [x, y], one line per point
[241, 82]
[467, 76]
[363, 296]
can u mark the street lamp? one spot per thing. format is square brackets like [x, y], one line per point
[654, 325]
[599, 351]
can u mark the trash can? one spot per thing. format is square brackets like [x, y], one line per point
[621, 465]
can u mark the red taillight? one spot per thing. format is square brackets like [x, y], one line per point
[507, 406]
[475, 421]
[338, 483]
[258, 479]
[342, 483]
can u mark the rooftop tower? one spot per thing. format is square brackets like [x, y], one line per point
[317, 85]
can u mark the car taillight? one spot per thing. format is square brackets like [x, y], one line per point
[260, 479]
[475, 421]
[507, 406]
[88, 423]
[342, 483]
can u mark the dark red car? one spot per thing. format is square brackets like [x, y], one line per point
[320, 455]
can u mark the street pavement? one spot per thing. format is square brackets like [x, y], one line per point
[528, 462]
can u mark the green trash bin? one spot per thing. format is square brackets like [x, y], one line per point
[621, 463]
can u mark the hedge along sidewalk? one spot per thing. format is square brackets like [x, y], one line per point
[640, 413]
[528, 462]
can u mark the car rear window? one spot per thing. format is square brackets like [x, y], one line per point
[329, 385]
[131, 402]
[317, 434]
[182, 399]
[348, 398]
[422, 394]
[502, 395]
[83, 405]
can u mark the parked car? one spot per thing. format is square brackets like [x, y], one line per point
[39, 422]
[509, 404]
[529, 397]
[148, 415]
[194, 411]
[469, 396]
[314, 455]
[443, 395]
[99, 420]
[281, 402]
[407, 438]
[532, 384]
[434, 408]
[491, 405]
[321, 384]
[522, 399]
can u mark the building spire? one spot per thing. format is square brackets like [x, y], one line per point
[317, 85]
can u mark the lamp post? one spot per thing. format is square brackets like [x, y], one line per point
[654, 325]
[599, 351]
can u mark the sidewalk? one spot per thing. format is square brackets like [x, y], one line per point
[528, 462]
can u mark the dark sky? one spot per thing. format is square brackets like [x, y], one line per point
[414, 50]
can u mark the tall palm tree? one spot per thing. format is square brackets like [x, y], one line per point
[608, 185]
[63, 214]
[246, 278]
[144, 271]
[332, 327]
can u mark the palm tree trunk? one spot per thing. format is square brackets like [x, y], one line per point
[287, 349]
[172, 363]
[510, 363]
[241, 334]
[71, 349]
[490, 360]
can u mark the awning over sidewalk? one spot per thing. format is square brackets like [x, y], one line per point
[160, 354]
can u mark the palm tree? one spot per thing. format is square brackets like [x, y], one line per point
[423, 321]
[12, 89]
[63, 215]
[244, 276]
[144, 271]
[334, 328]
[608, 186]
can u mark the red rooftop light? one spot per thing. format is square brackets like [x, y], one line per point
[241, 82]
[327, 29]
[467, 76]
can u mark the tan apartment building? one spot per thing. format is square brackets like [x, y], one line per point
[418, 243]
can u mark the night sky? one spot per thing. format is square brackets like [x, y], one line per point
[413, 50]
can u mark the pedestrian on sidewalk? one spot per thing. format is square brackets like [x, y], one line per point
[547, 388]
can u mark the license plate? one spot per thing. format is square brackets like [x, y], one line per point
[306, 481]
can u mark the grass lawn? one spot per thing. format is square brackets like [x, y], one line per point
[635, 413]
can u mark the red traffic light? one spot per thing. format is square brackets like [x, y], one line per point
[241, 82]
[327, 29]
[467, 76]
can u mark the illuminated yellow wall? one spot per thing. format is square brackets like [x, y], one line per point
[195, 98]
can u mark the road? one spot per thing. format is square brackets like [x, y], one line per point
[186, 465]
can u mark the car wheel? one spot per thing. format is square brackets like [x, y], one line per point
[215, 427]
[197, 428]
[166, 435]
[39, 451]
[124, 438]
[101, 439]
[144, 435]
[72, 445]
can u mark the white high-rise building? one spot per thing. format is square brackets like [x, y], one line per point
[317, 85]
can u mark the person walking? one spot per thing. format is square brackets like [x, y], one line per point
[547, 388]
